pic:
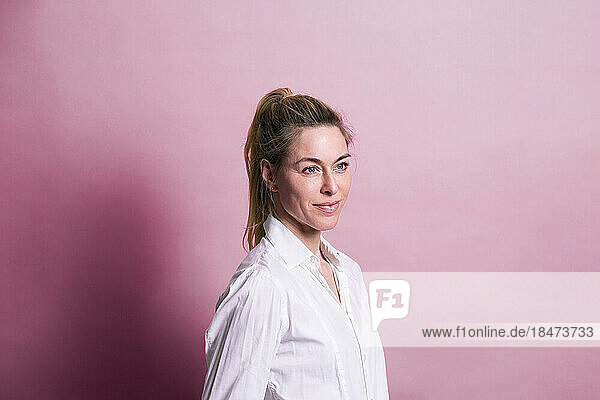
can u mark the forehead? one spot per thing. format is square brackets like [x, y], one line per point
[322, 142]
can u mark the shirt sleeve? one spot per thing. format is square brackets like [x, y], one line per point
[242, 338]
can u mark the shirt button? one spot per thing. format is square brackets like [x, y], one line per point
[313, 259]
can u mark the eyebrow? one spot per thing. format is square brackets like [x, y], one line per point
[316, 160]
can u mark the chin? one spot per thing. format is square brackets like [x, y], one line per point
[325, 223]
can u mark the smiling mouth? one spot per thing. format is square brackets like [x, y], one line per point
[328, 207]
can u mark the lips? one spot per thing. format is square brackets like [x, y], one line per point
[328, 207]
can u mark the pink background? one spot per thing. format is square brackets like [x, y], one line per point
[124, 193]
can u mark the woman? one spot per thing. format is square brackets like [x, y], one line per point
[294, 322]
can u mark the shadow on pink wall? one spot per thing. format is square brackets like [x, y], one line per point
[90, 311]
[90, 307]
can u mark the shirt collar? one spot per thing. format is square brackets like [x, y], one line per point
[291, 248]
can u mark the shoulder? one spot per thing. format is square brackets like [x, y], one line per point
[258, 277]
[252, 304]
[262, 262]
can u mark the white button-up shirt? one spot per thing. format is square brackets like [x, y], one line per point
[279, 332]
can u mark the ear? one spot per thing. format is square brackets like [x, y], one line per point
[268, 174]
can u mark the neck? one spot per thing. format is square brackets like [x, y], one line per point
[307, 235]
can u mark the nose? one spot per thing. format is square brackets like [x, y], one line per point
[329, 185]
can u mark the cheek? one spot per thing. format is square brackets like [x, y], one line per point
[295, 189]
[307, 191]
[345, 182]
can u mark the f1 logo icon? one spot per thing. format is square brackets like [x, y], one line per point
[388, 298]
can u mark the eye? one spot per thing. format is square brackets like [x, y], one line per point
[311, 169]
[342, 166]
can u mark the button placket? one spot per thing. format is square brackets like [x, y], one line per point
[360, 349]
[314, 273]
[314, 270]
[346, 306]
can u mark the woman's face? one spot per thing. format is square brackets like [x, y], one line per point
[313, 182]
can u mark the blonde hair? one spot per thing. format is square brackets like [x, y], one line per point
[279, 118]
